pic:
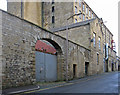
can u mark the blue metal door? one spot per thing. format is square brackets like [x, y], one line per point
[46, 67]
[40, 66]
[51, 67]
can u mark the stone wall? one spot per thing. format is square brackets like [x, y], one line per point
[19, 38]
[1, 52]
[97, 66]
[82, 34]
[14, 8]
[33, 12]
[62, 11]
[41, 13]
[79, 35]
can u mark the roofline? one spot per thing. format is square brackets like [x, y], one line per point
[74, 25]
[107, 29]
[97, 17]
[91, 9]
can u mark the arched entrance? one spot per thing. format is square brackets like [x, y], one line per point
[46, 60]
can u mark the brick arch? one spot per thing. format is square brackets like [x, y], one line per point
[52, 39]
[55, 41]
[60, 55]
[56, 45]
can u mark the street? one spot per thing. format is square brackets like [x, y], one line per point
[103, 83]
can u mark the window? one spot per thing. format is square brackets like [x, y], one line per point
[83, 7]
[75, 10]
[52, 8]
[75, 1]
[79, 3]
[97, 59]
[53, 19]
[92, 15]
[53, 2]
[99, 41]
[80, 14]
[109, 41]
[89, 13]
[83, 17]
[86, 10]
[75, 20]
[94, 39]
[86, 18]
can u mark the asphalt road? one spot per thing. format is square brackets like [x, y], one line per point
[105, 83]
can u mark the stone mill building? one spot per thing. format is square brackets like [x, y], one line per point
[33, 45]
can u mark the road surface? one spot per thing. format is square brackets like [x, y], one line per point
[104, 83]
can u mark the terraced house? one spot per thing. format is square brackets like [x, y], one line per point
[34, 45]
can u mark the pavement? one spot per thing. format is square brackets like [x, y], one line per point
[48, 85]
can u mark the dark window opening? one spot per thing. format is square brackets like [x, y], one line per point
[53, 19]
[53, 2]
[97, 59]
[86, 68]
[52, 8]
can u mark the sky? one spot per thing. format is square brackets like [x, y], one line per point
[105, 9]
[108, 11]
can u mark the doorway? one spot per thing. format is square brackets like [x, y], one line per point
[46, 67]
[74, 70]
[112, 67]
[86, 68]
[106, 65]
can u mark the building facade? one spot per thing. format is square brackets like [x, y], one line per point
[110, 59]
[51, 14]
[88, 34]
[27, 49]
[31, 11]
[90, 43]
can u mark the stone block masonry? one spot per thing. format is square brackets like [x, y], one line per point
[0, 53]
[18, 52]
